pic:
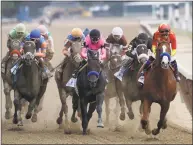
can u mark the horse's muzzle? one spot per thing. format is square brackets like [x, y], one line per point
[165, 62]
[29, 58]
[15, 56]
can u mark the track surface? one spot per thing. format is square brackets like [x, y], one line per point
[46, 131]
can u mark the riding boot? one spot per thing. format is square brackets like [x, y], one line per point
[120, 73]
[125, 65]
[176, 72]
[76, 71]
[4, 62]
[46, 72]
[141, 77]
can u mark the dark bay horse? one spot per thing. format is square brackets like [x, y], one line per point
[91, 85]
[111, 91]
[160, 86]
[129, 85]
[29, 84]
[14, 54]
[61, 79]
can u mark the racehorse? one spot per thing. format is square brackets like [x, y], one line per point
[29, 85]
[129, 85]
[14, 54]
[90, 88]
[111, 91]
[160, 87]
[61, 79]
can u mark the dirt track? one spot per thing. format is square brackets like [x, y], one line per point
[46, 131]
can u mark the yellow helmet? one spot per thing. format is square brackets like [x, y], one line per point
[76, 32]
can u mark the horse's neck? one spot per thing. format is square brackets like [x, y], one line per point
[30, 72]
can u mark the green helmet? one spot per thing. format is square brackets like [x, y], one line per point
[20, 29]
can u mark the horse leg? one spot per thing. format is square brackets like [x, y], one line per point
[162, 122]
[36, 109]
[40, 106]
[129, 106]
[64, 110]
[8, 102]
[141, 108]
[83, 107]
[16, 105]
[20, 122]
[121, 100]
[92, 107]
[75, 102]
[107, 110]
[116, 110]
[62, 99]
[99, 102]
[30, 108]
[24, 105]
[145, 116]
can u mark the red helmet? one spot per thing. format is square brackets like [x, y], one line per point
[163, 28]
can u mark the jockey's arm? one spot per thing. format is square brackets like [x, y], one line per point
[42, 52]
[67, 45]
[154, 44]
[103, 53]
[50, 50]
[173, 44]
[84, 53]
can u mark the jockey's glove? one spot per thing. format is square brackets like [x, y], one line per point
[173, 52]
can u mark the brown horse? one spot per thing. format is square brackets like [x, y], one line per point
[160, 87]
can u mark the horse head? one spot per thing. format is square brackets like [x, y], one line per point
[115, 56]
[142, 53]
[163, 55]
[29, 52]
[94, 67]
[15, 49]
[75, 52]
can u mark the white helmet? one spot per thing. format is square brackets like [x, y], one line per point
[20, 28]
[117, 31]
[43, 29]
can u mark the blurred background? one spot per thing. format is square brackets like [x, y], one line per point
[179, 14]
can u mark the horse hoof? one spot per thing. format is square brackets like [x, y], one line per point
[100, 125]
[67, 132]
[74, 119]
[155, 131]
[84, 133]
[28, 115]
[148, 131]
[79, 114]
[131, 115]
[15, 120]
[20, 123]
[7, 115]
[59, 120]
[122, 116]
[34, 118]
[164, 126]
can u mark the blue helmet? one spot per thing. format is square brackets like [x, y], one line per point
[35, 33]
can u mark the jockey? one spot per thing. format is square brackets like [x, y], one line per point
[117, 37]
[50, 43]
[76, 35]
[17, 33]
[41, 45]
[163, 33]
[95, 42]
[142, 38]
